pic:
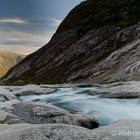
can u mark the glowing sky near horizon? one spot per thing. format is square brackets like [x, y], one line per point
[27, 25]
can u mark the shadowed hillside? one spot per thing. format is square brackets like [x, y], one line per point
[97, 42]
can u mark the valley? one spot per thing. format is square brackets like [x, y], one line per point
[8, 60]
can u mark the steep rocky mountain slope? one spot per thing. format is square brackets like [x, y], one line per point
[98, 42]
[8, 60]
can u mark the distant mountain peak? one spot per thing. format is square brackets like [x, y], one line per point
[8, 60]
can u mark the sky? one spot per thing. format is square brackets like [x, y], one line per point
[27, 25]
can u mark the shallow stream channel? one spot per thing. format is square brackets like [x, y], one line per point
[92, 101]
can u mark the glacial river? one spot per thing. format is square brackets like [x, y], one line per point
[79, 100]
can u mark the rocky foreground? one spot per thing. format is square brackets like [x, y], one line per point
[34, 121]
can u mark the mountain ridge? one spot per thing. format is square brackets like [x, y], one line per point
[88, 46]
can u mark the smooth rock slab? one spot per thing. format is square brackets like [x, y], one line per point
[38, 114]
[44, 132]
[121, 130]
[120, 90]
[6, 118]
[8, 104]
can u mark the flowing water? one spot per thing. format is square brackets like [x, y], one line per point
[79, 100]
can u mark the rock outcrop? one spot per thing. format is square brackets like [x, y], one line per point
[7, 118]
[37, 114]
[123, 130]
[98, 42]
[44, 132]
[15, 111]
[37, 121]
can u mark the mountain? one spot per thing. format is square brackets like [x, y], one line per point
[98, 42]
[7, 60]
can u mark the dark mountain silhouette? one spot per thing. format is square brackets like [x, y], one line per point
[98, 42]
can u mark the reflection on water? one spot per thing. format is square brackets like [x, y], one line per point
[104, 110]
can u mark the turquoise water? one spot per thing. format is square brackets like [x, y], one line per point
[80, 100]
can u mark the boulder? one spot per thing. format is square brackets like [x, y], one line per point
[6, 118]
[44, 132]
[121, 130]
[39, 114]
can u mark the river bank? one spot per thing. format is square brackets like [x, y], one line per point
[68, 108]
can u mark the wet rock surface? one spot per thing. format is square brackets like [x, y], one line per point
[38, 114]
[126, 90]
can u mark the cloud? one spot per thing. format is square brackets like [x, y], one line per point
[26, 38]
[55, 22]
[23, 42]
[20, 49]
[15, 20]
